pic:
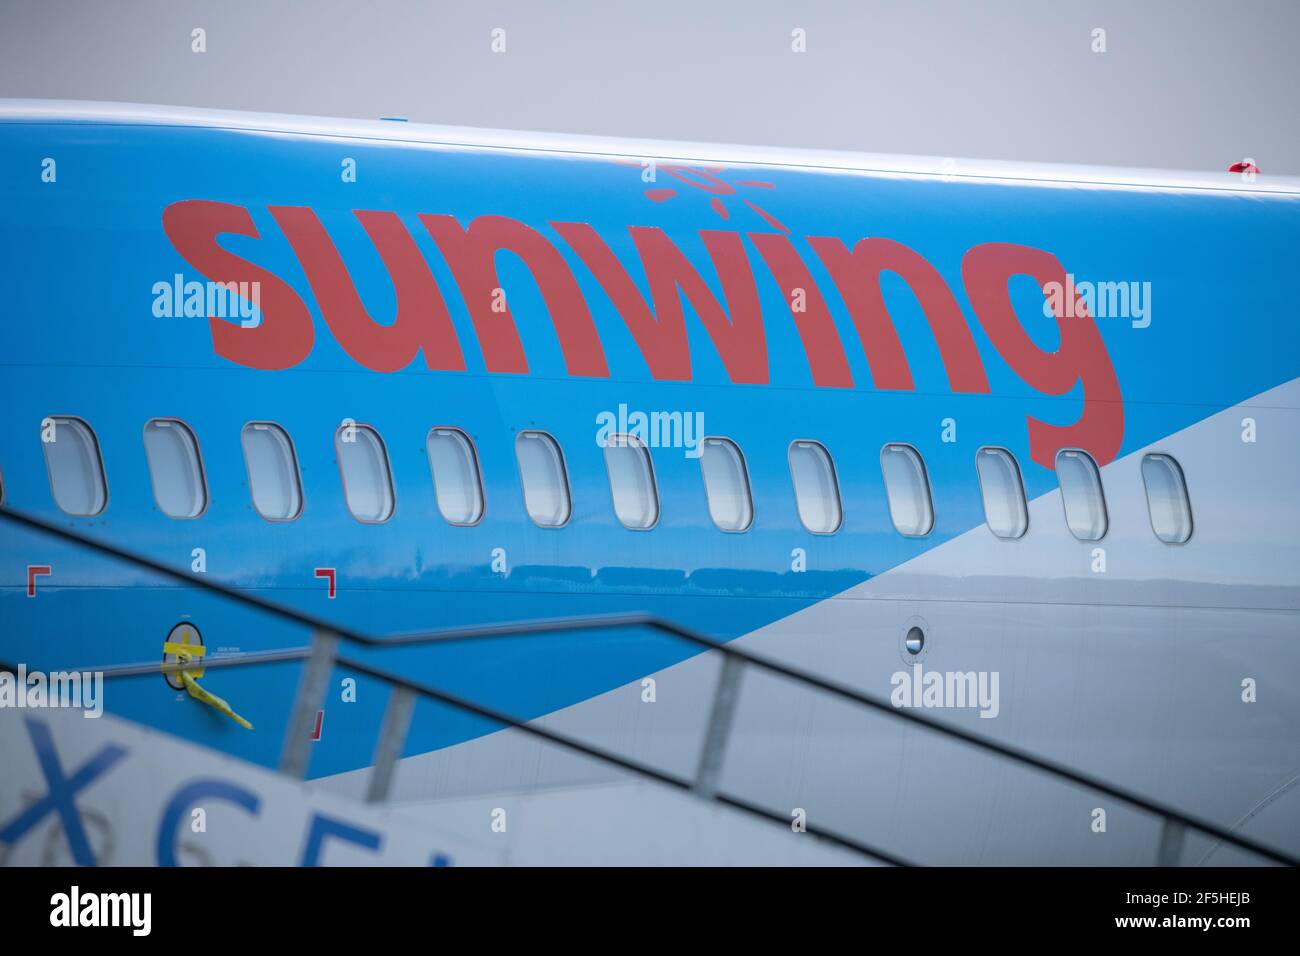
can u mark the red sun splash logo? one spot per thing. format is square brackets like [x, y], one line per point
[707, 180]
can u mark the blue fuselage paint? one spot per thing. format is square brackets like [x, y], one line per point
[83, 253]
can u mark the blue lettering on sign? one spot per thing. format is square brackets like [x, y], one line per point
[186, 797]
[63, 789]
[61, 796]
[323, 826]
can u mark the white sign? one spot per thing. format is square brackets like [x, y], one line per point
[111, 793]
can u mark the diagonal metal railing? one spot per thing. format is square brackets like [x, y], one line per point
[322, 655]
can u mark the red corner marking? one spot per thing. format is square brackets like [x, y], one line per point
[33, 570]
[320, 725]
[320, 573]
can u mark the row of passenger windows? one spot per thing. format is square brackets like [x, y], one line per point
[176, 469]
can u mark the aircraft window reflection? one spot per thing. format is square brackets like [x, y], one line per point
[816, 490]
[1167, 503]
[1081, 493]
[1005, 510]
[631, 482]
[726, 484]
[78, 485]
[908, 490]
[542, 474]
[363, 465]
[175, 467]
[74, 465]
[272, 468]
[456, 481]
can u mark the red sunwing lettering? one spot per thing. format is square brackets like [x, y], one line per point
[660, 332]
[857, 277]
[734, 322]
[740, 339]
[285, 335]
[662, 340]
[986, 270]
[471, 254]
[422, 322]
[821, 343]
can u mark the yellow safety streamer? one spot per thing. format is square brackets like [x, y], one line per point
[184, 654]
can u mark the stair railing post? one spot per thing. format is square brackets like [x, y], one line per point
[1170, 850]
[718, 731]
[309, 701]
[388, 749]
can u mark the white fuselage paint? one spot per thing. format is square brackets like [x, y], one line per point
[1133, 676]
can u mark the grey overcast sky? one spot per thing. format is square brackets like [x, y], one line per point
[1196, 84]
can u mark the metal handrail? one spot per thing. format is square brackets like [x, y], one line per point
[1175, 822]
[401, 683]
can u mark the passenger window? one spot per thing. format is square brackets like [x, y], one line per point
[1085, 504]
[542, 474]
[1005, 509]
[816, 490]
[272, 468]
[726, 484]
[455, 476]
[363, 465]
[631, 482]
[908, 490]
[1171, 512]
[175, 467]
[74, 465]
